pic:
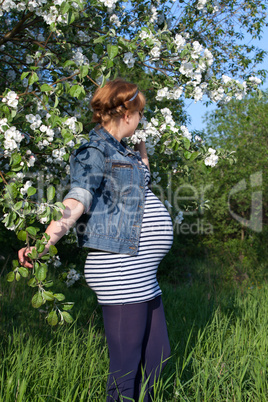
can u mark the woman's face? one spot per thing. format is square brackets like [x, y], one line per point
[133, 121]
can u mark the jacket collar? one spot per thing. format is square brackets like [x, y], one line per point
[120, 146]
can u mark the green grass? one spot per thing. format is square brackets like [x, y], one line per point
[219, 342]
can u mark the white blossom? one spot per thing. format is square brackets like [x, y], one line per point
[201, 4]
[11, 99]
[212, 158]
[35, 120]
[179, 42]
[109, 3]
[31, 161]
[187, 68]
[179, 218]
[11, 75]
[13, 137]
[138, 136]
[146, 35]
[162, 93]
[167, 204]
[24, 189]
[129, 59]
[155, 52]
[72, 277]
[156, 177]
[153, 17]
[3, 122]
[197, 49]
[114, 19]
[197, 94]
[254, 80]
[209, 57]
[177, 92]
[79, 58]
[71, 123]
[83, 36]
[185, 132]
[225, 78]
[217, 94]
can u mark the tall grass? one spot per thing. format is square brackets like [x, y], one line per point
[219, 347]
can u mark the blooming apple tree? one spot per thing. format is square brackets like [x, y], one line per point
[54, 54]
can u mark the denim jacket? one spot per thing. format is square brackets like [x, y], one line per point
[108, 178]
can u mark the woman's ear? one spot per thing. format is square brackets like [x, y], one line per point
[126, 117]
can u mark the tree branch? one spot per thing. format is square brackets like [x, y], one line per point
[15, 30]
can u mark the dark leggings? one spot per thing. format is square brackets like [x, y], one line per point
[138, 347]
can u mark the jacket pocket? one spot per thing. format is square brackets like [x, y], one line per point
[121, 177]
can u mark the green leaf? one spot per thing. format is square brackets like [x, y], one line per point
[59, 296]
[11, 191]
[48, 296]
[52, 250]
[33, 254]
[15, 263]
[50, 193]
[187, 155]
[45, 257]
[98, 49]
[40, 248]
[22, 235]
[56, 101]
[75, 90]
[18, 205]
[41, 272]
[32, 283]
[31, 191]
[68, 306]
[66, 64]
[48, 284]
[57, 215]
[24, 75]
[23, 271]
[194, 155]
[71, 17]
[15, 159]
[31, 230]
[100, 39]
[11, 276]
[34, 78]
[37, 300]
[84, 71]
[67, 317]
[18, 277]
[46, 88]
[60, 205]
[112, 51]
[186, 142]
[65, 7]
[52, 318]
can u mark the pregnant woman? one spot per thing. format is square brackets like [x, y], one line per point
[128, 231]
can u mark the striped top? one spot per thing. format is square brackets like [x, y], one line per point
[124, 279]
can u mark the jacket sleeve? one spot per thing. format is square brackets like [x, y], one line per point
[86, 170]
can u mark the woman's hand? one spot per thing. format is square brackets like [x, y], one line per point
[141, 147]
[56, 229]
[24, 259]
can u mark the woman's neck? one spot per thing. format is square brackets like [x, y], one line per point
[115, 128]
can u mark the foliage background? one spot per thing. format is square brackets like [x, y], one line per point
[53, 56]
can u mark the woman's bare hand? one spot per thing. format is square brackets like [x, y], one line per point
[24, 260]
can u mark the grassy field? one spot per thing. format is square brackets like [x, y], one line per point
[219, 342]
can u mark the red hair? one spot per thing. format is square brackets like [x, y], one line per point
[114, 99]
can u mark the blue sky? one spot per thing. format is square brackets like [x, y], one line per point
[197, 110]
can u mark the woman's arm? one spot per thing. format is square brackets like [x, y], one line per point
[141, 147]
[56, 229]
